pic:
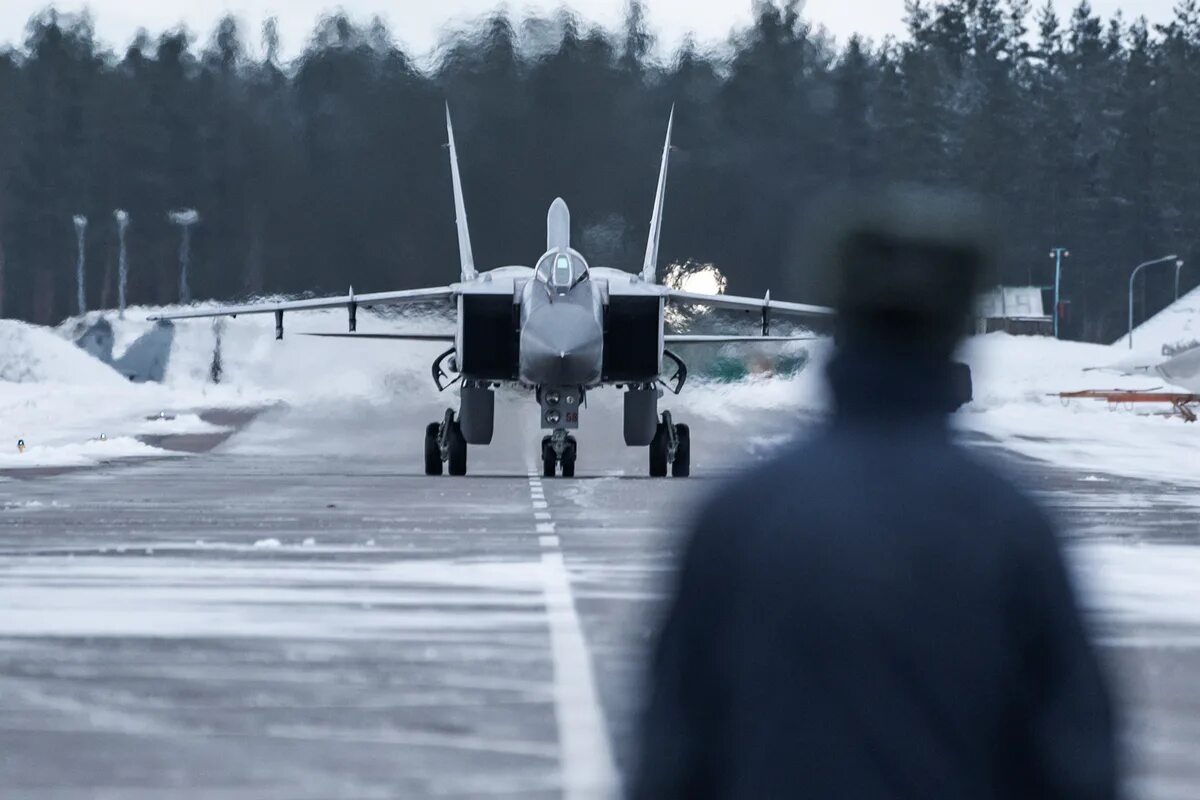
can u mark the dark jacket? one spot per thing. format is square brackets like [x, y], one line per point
[875, 614]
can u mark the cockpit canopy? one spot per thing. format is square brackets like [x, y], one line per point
[560, 270]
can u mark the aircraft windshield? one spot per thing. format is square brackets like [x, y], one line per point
[562, 270]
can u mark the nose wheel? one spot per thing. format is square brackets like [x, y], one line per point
[671, 449]
[445, 445]
[559, 450]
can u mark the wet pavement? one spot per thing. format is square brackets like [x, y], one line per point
[307, 621]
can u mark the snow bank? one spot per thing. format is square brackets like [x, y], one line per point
[1017, 381]
[58, 398]
[29, 354]
[86, 454]
[1176, 326]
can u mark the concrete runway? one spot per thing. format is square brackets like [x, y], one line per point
[300, 615]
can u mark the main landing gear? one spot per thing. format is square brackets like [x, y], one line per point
[559, 450]
[672, 445]
[445, 444]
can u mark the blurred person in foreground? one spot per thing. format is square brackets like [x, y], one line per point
[874, 613]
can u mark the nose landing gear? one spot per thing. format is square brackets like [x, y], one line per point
[445, 443]
[672, 445]
[559, 449]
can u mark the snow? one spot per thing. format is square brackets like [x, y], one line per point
[60, 400]
[33, 355]
[182, 424]
[1178, 325]
[86, 454]
[1150, 591]
[1017, 380]
[168, 596]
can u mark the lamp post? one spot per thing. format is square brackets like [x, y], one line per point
[80, 234]
[122, 218]
[185, 219]
[1132, 275]
[1058, 254]
[1178, 269]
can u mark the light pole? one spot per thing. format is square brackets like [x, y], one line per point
[122, 218]
[1132, 275]
[185, 219]
[1058, 254]
[1178, 269]
[80, 234]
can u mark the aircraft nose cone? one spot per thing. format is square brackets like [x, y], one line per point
[561, 344]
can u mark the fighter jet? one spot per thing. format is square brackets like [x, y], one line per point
[562, 329]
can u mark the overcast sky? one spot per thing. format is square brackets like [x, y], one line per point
[417, 23]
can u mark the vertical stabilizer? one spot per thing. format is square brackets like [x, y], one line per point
[650, 265]
[466, 257]
[558, 225]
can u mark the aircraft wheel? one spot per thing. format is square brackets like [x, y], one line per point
[681, 467]
[433, 452]
[568, 459]
[659, 448]
[549, 459]
[458, 451]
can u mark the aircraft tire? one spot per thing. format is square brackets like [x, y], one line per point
[549, 459]
[681, 467]
[458, 452]
[658, 452]
[433, 453]
[568, 459]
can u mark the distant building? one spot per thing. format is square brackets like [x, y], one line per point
[1013, 309]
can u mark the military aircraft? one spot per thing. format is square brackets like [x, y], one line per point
[560, 328]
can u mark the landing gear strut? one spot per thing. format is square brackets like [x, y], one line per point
[444, 443]
[559, 449]
[672, 445]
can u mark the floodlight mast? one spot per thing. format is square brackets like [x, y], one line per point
[1058, 254]
[185, 219]
[81, 223]
[1178, 266]
[122, 218]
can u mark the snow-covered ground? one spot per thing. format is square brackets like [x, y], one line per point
[60, 400]
[1017, 381]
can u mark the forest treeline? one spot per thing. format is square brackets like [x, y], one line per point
[330, 170]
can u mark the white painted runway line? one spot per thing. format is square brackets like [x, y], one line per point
[589, 771]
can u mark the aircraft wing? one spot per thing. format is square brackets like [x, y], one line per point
[377, 299]
[688, 338]
[402, 337]
[734, 303]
